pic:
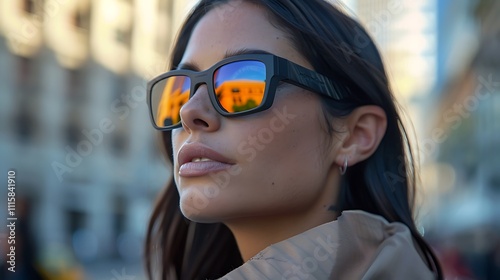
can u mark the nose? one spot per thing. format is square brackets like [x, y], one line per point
[198, 113]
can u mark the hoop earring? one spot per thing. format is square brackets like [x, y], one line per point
[343, 168]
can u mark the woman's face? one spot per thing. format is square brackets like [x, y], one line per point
[276, 162]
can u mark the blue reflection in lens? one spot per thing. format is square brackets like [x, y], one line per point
[240, 85]
[241, 70]
[186, 84]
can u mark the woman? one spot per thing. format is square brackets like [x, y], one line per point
[290, 160]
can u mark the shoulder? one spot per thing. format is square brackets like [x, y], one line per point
[372, 248]
[358, 245]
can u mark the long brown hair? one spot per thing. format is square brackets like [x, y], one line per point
[384, 184]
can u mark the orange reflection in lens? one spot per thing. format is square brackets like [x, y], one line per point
[172, 99]
[238, 96]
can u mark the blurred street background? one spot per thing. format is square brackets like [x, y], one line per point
[74, 126]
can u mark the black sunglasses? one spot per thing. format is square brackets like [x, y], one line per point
[237, 86]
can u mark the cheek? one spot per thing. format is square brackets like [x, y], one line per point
[296, 154]
[177, 139]
[289, 156]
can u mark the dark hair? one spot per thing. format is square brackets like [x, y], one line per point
[384, 184]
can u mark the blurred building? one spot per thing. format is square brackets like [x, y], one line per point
[465, 138]
[406, 33]
[443, 61]
[75, 126]
[74, 121]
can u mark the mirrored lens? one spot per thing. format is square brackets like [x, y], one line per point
[240, 85]
[167, 98]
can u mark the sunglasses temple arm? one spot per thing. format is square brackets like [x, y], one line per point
[312, 80]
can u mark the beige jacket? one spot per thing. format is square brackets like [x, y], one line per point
[358, 245]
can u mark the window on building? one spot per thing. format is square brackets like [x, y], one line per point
[119, 143]
[25, 124]
[76, 88]
[29, 6]
[73, 133]
[75, 220]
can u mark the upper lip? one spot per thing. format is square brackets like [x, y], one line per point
[190, 151]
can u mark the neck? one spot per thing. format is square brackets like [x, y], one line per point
[254, 234]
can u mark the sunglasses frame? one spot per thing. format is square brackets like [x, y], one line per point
[278, 70]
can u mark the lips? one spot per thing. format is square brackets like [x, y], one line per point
[196, 160]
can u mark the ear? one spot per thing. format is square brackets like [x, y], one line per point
[364, 129]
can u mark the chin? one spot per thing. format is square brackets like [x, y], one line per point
[217, 211]
[199, 216]
[198, 208]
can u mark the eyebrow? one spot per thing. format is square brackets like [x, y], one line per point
[229, 53]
